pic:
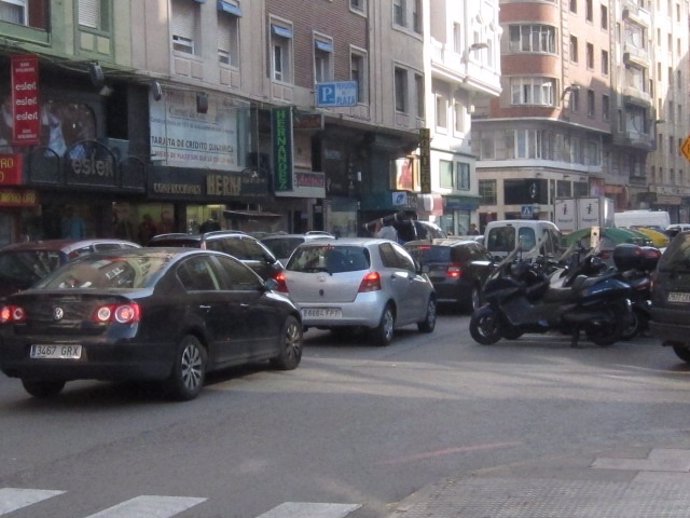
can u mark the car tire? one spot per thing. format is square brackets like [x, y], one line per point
[383, 333]
[290, 345]
[43, 389]
[682, 352]
[429, 323]
[189, 370]
[474, 302]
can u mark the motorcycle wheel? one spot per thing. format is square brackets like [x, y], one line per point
[610, 334]
[485, 327]
[633, 328]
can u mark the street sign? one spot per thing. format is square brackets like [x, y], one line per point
[527, 211]
[685, 148]
[334, 94]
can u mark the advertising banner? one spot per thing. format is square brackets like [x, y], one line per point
[26, 127]
[11, 167]
[282, 149]
[425, 160]
[183, 135]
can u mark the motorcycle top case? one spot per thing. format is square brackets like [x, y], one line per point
[628, 256]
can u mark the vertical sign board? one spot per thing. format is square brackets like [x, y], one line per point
[26, 127]
[425, 160]
[282, 149]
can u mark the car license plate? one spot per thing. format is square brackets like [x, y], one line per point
[56, 351]
[322, 313]
[679, 296]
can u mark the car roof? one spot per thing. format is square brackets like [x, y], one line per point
[442, 241]
[309, 237]
[347, 241]
[63, 245]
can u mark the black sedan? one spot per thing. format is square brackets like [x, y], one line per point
[164, 314]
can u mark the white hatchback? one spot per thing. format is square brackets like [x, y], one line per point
[359, 283]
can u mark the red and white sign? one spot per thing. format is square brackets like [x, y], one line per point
[11, 169]
[25, 107]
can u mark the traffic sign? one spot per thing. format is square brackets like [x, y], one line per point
[333, 94]
[685, 148]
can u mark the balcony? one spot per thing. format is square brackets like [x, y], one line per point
[636, 14]
[635, 56]
[637, 97]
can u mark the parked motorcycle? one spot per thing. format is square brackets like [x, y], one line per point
[534, 297]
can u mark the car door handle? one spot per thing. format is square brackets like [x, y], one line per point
[244, 305]
[204, 307]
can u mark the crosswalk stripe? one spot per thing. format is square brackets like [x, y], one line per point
[12, 498]
[310, 510]
[149, 506]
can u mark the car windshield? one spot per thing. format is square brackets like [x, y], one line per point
[107, 272]
[328, 258]
[501, 239]
[677, 255]
[29, 266]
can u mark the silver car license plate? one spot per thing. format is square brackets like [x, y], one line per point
[322, 313]
[679, 296]
[56, 351]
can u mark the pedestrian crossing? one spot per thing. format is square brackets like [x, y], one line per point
[158, 506]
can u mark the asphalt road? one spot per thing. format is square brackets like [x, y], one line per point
[357, 427]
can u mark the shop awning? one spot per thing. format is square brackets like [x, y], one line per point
[250, 214]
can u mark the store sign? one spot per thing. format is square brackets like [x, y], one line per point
[425, 160]
[282, 149]
[11, 167]
[10, 198]
[90, 163]
[182, 135]
[26, 127]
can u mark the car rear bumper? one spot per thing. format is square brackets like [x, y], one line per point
[109, 362]
[670, 334]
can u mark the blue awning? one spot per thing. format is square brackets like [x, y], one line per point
[325, 46]
[281, 31]
[229, 7]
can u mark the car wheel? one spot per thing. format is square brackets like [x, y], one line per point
[290, 345]
[475, 300]
[43, 389]
[189, 370]
[429, 323]
[682, 352]
[383, 333]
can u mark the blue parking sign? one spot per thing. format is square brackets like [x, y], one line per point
[334, 94]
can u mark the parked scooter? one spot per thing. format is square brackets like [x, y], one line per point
[522, 297]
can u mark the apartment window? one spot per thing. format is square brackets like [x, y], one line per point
[399, 12]
[462, 176]
[573, 6]
[528, 143]
[575, 100]
[358, 5]
[419, 88]
[323, 60]
[590, 56]
[93, 14]
[457, 38]
[671, 111]
[634, 35]
[417, 16]
[401, 103]
[670, 77]
[358, 73]
[459, 117]
[573, 49]
[184, 26]
[679, 79]
[445, 170]
[635, 77]
[604, 17]
[532, 90]
[281, 47]
[14, 11]
[228, 33]
[454, 175]
[589, 10]
[441, 114]
[590, 103]
[532, 38]
[487, 192]
[678, 12]
[605, 107]
[605, 62]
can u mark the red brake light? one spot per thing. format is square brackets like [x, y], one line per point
[370, 282]
[281, 280]
[13, 314]
[121, 313]
[454, 271]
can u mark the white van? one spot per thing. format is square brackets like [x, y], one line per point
[655, 219]
[538, 237]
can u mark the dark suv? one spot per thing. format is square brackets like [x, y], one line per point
[457, 269]
[244, 247]
[670, 313]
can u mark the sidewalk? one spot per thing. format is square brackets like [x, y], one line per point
[626, 483]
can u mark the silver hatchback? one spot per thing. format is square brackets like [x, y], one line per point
[359, 283]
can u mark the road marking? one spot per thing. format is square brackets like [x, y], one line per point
[310, 510]
[12, 499]
[149, 506]
[452, 451]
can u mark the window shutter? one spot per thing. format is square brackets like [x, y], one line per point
[225, 31]
[89, 14]
[183, 19]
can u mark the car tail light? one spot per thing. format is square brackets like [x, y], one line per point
[12, 314]
[370, 282]
[454, 271]
[118, 313]
[281, 279]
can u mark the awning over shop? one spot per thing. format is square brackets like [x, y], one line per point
[249, 214]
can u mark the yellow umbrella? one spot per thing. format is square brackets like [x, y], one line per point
[659, 239]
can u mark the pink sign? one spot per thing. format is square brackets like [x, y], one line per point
[25, 108]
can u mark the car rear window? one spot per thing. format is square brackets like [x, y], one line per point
[282, 247]
[329, 259]
[186, 243]
[30, 266]
[425, 254]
